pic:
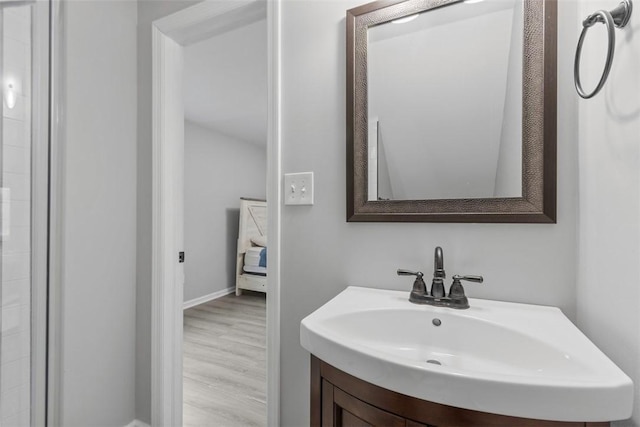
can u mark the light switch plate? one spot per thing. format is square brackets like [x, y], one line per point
[298, 188]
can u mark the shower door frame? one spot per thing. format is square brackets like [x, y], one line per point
[40, 201]
[169, 34]
[55, 168]
[44, 23]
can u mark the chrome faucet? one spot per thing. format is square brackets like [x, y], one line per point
[437, 297]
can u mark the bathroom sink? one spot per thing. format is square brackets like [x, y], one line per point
[503, 358]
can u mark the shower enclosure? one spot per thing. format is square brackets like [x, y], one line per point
[24, 206]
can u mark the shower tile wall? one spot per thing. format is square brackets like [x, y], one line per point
[16, 244]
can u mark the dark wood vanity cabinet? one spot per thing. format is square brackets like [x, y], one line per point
[342, 409]
[341, 400]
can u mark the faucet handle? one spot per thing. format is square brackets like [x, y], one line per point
[402, 272]
[456, 292]
[419, 289]
[476, 279]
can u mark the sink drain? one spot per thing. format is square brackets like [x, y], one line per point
[434, 362]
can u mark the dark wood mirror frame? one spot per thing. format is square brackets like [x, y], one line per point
[539, 93]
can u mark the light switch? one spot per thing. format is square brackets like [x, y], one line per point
[298, 188]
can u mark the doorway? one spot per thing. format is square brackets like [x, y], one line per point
[225, 229]
[170, 36]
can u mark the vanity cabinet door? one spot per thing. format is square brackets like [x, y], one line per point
[340, 409]
[339, 399]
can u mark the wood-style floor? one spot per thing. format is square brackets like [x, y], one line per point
[225, 362]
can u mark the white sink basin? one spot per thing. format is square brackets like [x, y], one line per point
[503, 358]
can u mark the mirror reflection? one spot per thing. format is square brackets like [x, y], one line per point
[445, 103]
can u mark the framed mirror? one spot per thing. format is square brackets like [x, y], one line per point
[451, 111]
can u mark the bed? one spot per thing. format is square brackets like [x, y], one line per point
[251, 259]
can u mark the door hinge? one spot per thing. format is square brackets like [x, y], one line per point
[180, 256]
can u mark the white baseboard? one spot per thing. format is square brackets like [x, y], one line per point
[137, 423]
[207, 298]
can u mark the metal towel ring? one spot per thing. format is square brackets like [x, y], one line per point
[617, 18]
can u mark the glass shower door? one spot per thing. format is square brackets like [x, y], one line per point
[24, 68]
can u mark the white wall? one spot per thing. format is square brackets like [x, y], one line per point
[218, 171]
[148, 11]
[225, 82]
[99, 201]
[608, 289]
[526, 263]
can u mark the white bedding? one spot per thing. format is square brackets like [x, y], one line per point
[254, 269]
[255, 261]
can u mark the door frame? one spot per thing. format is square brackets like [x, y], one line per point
[170, 34]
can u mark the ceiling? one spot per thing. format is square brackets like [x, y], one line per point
[225, 83]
